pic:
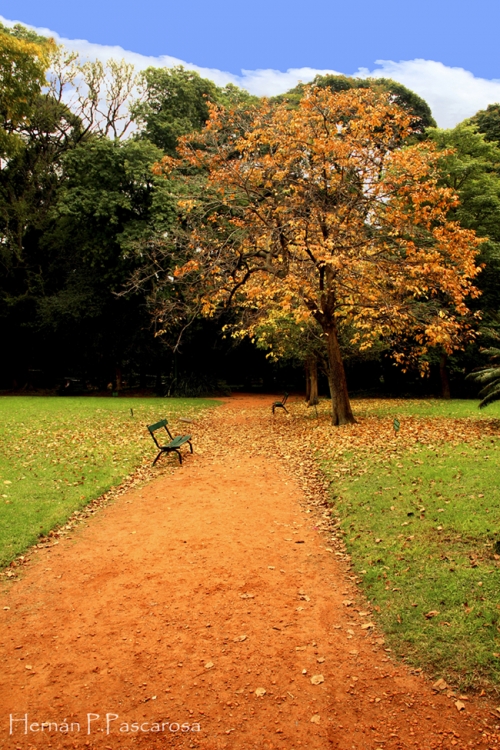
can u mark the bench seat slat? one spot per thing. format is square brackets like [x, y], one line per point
[177, 441]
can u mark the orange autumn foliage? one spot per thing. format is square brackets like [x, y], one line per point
[329, 211]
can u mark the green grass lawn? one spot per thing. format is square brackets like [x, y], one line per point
[432, 407]
[422, 523]
[58, 454]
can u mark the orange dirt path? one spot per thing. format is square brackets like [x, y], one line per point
[174, 605]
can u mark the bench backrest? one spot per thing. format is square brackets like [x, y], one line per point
[285, 399]
[158, 426]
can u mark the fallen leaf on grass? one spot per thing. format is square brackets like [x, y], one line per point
[317, 679]
[432, 613]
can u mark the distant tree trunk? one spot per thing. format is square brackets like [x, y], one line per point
[118, 378]
[312, 369]
[341, 406]
[308, 381]
[445, 380]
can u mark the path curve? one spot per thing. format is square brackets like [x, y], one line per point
[206, 609]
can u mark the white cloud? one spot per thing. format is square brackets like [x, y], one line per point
[452, 93]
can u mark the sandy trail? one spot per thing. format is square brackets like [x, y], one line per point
[155, 624]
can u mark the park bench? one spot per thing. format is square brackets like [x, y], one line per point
[174, 444]
[280, 404]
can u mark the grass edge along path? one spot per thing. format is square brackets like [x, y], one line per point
[60, 459]
[342, 471]
[420, 517]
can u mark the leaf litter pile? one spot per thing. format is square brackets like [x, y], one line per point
[217, 607]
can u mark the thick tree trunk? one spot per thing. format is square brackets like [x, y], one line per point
[312, 368]
[341, 406]
[445, 380]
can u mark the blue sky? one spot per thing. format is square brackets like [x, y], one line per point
[282, 34]
[446, 50]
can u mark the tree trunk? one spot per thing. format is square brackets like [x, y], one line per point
[445, 380]
[312, 368]
[118, 378]
[308, 381]
[341, 406]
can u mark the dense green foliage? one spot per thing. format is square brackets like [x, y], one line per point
[488, 378]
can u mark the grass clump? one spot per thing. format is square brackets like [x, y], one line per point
[58, 454]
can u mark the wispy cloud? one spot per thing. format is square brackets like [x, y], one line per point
[452, 93]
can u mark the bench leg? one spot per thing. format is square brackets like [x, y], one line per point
[179, 454]
[279, 406]
[190, 445]
[157, 457]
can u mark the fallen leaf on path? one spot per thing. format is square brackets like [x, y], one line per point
[260, 692]
[460, 706]
[317, 679]
[315, 719]
[440, 684]
[247, 596]
[209, 665]
[240, 638]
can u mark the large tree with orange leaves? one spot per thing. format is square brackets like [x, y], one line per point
[327, 211]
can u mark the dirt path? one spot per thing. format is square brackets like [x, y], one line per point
[184, 600]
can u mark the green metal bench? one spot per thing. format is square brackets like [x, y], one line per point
[280, 404]
[174, 444]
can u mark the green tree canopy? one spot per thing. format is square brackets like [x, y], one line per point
[488, 122]
[24, 59]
